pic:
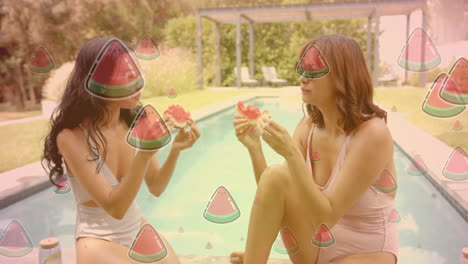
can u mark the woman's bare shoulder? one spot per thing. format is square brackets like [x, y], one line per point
[372, 130]
[69, 136]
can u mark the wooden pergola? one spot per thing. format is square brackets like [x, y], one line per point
[371, 9]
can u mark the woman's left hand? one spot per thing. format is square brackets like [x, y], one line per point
[169, 121]
[185, 139]
[278, 138]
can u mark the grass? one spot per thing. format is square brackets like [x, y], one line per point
[23, 143]
[409, 102]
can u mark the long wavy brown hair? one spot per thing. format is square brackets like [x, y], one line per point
[352, 79]
[76, 106]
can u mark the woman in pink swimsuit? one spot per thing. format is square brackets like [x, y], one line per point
[339, 192]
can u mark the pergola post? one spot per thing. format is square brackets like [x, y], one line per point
[376, 47]
[218, 54]
[199, 49]
[238, 50]
[406, 56]
[251, 49]
[422, 74]
[368, 44]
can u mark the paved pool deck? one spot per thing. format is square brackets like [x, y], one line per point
[22, 182]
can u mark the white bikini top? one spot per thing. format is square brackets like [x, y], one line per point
[80, 193]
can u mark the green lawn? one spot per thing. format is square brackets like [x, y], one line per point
[409, 101]
[23, 143]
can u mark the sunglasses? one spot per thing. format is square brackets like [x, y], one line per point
[312, 64]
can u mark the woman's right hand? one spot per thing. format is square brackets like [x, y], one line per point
[247, 134]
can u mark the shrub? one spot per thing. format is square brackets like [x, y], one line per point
[174, 68]
[55, 85]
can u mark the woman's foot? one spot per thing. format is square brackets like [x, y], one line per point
[237, 257]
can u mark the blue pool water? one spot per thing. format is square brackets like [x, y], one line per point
[430, 230]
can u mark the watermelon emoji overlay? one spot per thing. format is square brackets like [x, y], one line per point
[385, 183]
[315, 156]
[62, 186]
[417, 166]
[179, 115]
[15, 241]
[312, 64]
[456, 167]
[394, 217]
[222, 208]
[148, 246]
[457, 125]
[252, 113]
[286, 243]
[114, 74]
[147, 49]
[455, 89]
[208, 245]
[394, 109]
[323, 237]
[148, 130]
[419, 44]
[172, 93]
[435, 106]
[41, 61]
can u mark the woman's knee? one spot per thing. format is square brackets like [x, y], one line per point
[275, 178]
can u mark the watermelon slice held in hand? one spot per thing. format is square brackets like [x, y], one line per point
[15, 242]
[148, 130]
[179, 115]
[437, 107]
[114, 75]
[41, 61]
[411, 55]
[286, 243]
[148, 247]
[312, 64]
[222, 208]
[252, 113]
[323, 237]
[456, 167]
[147, 49]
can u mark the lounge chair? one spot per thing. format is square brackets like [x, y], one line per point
[245, 77]
[270, 76]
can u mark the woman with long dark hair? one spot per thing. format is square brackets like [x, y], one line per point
[87, 138]
[339, 150]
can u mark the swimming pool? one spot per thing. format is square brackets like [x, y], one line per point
[430, 230]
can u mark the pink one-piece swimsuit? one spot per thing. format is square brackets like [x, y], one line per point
[364, 228]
